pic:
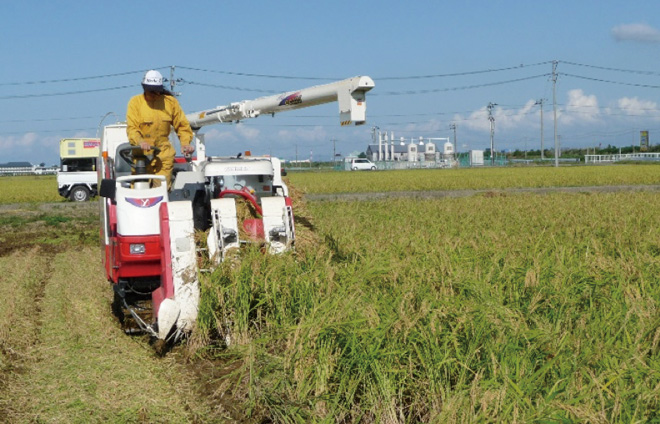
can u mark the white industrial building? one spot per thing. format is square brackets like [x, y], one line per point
[413, 153]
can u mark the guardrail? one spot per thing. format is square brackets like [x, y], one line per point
[620, 157]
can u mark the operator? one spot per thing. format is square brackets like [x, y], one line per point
[149, 117]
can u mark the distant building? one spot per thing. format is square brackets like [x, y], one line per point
[25, 168]
[409, 152]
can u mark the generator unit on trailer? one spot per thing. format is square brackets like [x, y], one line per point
[148, 233]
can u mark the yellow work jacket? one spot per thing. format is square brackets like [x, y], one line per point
[151, 122]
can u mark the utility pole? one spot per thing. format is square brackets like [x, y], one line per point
[554, 108]
[173, 82]
[172, 79]
[540, 102]
[492, 132]
[453, 127]
[334, 152]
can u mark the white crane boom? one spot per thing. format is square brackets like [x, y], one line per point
[349, 93]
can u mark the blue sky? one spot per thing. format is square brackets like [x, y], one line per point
[471, 53]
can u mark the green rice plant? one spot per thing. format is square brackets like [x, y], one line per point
[474, 178]
[485, 308]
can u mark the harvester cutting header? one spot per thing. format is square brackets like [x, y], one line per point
[147, 234]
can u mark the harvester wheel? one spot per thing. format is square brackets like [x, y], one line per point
[117, 308]
[79, 194]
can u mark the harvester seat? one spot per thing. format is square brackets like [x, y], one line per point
[122, 168]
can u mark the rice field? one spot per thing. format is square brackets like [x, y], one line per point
[475, 178]
[29, 189]
[493, 307]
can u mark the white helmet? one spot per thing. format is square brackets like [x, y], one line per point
[152, 80]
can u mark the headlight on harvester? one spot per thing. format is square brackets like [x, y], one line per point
[137, 249]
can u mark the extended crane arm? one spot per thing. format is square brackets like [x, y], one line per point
[349, 93]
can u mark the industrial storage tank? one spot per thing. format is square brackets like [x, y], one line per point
[429, 152]
[448, 150]
[412, 152]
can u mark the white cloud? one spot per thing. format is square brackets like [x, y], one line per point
[13, 143]
[478, 120]
[516, 118]
[580, 108]
[578, 113]
[301, 134]
[432, 125]
[82, 134]
[637, 107]
[505, 118]
[29, 147]
[247, 132]
[214, 135]
[636, 32]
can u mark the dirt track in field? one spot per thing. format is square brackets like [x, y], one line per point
[63, 356]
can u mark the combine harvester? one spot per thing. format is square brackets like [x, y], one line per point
[147, 234]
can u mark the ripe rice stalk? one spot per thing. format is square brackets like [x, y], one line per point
[307, 239]
[469, 309]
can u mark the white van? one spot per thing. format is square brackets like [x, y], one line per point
[362, 164]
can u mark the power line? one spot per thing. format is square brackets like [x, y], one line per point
[245, 74]
[227, 87]
[293, 77]
[15, 121]
[380, 78]
[609, 81]
[47, 131]
[460, 74]
[391, 78]
[66, 93]
[465, 87]
[633, 71]
[386, 93]
[74, 79]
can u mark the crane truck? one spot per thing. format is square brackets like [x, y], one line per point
[147, 233]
